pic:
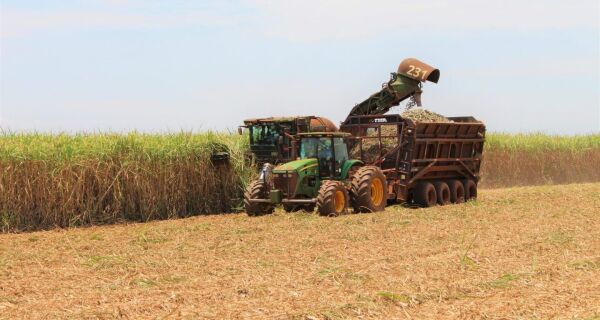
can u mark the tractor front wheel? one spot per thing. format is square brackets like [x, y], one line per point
[257, 189]
[332, 200]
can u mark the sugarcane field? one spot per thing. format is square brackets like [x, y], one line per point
[294, 160]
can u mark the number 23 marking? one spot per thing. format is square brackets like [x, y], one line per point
[416, 72]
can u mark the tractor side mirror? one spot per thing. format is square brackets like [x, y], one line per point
[240, 131]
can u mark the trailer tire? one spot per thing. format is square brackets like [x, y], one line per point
[443, 192]
[369, 190]
[257, 189]
[470, 190]
[457, 191]
[425, 195]
[332, 200]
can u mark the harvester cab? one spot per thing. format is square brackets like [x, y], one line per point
[274, 140]
[322, 176]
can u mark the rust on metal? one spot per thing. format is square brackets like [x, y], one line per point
[418, 70]
[320, 124]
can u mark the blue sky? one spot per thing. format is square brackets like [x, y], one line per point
[124, 65]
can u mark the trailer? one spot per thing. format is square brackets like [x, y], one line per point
[425, 163]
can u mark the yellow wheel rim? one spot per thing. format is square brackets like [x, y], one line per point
[377, 192]
[339, 201]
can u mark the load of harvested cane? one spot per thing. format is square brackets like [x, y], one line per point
[420, 114]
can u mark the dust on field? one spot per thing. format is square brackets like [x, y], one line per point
[529, 252]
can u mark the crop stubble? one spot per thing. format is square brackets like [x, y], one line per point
[529, 252]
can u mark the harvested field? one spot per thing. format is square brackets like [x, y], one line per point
[520, 253]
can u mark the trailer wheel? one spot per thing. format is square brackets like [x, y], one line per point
[332, 200]
[470, 190]
[457, 191]
[425, 195]
[443, 193]
[369, 190]
[257, 189]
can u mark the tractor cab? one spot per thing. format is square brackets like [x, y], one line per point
[329, 149]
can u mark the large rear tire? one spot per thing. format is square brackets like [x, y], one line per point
[443, 193]
[332, 200]
[257, 189]
[470, 190]
[425, 195]
[369, 190]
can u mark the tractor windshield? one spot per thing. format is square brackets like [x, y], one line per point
[331, 153]
[315, 148]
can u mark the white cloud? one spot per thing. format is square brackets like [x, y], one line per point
[307, 21]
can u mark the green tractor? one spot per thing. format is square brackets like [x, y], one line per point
[322, 176]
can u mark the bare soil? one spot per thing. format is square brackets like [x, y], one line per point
[519, 253]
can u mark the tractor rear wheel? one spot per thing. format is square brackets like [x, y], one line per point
[443, 193]
[333, 198]
[257, 189]
[369, 190]
[425, 195]
[457, 191]
[470, 190]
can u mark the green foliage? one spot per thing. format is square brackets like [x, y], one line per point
[135, 145]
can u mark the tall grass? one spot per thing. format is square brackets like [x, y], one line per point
[540, 142]
[49, 180]
[64, 180]
[536, 158]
